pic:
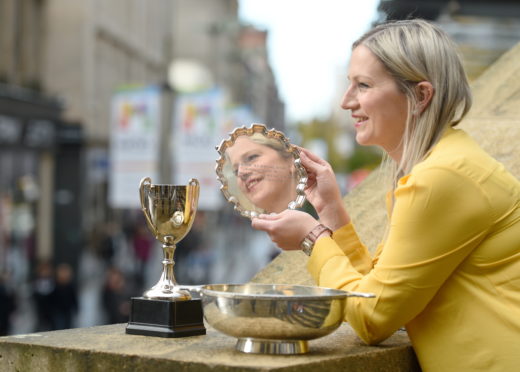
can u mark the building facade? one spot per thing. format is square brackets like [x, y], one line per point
[62, 61]
[235, 54]
[31, 128]
[483, 29]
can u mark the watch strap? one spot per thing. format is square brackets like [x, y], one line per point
[308, 242]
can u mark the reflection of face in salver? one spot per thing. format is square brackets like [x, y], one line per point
[264, 173]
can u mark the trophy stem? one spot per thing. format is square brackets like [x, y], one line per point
[167, 288]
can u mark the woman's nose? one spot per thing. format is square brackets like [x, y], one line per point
[349, 100]
[243, 172]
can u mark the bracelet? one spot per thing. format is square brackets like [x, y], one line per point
[307, 243]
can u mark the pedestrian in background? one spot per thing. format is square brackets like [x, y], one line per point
[7, 305]
[43, 289]
[142, 243]
[115, 297]
[64, 298]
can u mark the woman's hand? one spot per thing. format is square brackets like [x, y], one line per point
[287, 229]
[322, 190]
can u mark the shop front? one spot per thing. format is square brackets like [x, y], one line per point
[32, 147]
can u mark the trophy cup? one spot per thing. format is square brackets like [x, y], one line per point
[166, 310]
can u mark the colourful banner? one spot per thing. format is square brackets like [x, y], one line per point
[201, 121]
[134, 146]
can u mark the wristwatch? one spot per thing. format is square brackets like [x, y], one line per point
[307, 243]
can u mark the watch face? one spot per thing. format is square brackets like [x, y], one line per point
[307, 246]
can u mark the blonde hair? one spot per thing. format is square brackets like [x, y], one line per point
[413, 51]
[272, 143]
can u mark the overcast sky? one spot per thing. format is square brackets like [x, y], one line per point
[309, 47]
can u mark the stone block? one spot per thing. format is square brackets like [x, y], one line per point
[108, 348]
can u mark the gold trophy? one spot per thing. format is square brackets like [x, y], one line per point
[166, 310]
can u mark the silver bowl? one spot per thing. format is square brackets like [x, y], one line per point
[274, 318]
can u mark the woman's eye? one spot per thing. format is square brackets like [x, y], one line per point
[363, 85]
[251, 157]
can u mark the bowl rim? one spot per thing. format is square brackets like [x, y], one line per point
[219, 290]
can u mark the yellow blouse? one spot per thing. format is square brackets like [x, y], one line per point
[449, 269]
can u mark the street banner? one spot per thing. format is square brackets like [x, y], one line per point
[201, 121]
[197, 119]
[134, 143]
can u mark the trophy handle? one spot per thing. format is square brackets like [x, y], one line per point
[194, 187]
[146, 181]
[192, 196]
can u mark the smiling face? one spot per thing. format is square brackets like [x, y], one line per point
[262, 174]
[378, 107]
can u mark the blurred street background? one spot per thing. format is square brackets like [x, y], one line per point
[97, 94]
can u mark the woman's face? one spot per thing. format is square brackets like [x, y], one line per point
[378, 107]
[263, 176]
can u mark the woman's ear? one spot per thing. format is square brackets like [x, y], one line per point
[424, 91]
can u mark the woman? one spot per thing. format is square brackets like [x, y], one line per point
[449, 265]
[264, 171]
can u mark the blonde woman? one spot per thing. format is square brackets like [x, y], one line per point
[448, 268]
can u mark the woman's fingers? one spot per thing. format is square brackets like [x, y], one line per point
[264, 221]
[312, 156]
[310, 166]
[287, 228]
[316, 168]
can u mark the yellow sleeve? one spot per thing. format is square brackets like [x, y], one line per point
[347, 239]
[439, 216]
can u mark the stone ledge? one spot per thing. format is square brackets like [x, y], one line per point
[108, 348]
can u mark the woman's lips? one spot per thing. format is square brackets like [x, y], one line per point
[251, 183]
[359, 121]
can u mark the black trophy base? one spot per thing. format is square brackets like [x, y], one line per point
[162, 318]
